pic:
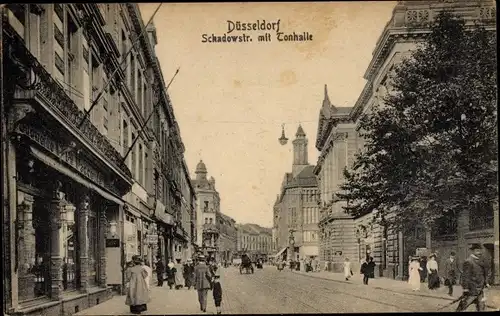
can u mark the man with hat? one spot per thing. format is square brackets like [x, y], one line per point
[203, 281]
[474, 280]
[451, 272]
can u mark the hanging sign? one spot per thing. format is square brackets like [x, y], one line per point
[152, 239]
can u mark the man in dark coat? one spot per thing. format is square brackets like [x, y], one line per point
[451, 272]
[368, 270]
[189, 273]
[203, 282]
[160, 270]
[474, 280]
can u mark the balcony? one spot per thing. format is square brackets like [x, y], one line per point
[210, 228]
[39, 85]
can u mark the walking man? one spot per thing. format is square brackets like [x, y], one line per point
[451, 272]
[474, 280]
[203, 282]
[160, 270]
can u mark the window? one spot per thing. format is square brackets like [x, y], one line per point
[133, 166]
[87, 93]
[141, 165]
[105, 114]
[69, 255]
[139, 98]
[132, 77]
[146, 174]
[93, 252]
[125, 137]
[206, 220]
[481, 217]
[211, 220]
[71, 53]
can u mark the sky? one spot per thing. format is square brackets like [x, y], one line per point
[231, 99]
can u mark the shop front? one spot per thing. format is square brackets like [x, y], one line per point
[64, 181]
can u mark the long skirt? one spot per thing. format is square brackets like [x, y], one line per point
[433, 280]
[138, 308]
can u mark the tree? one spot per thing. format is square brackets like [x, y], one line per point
[431, 148]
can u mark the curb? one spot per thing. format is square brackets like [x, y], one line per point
[388, 290]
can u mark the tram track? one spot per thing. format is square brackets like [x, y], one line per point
[321, 291]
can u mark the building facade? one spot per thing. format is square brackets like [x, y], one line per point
[83, 190]
[188, 218]
[297, 216]
[227, 237]
[207, 210]
[255, 240]
[408, 26]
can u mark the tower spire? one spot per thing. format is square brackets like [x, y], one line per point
[326, 98]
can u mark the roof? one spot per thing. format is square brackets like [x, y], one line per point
[305, 178]
[255, 229]
[300, 132]
[200, 167]
[227, 218]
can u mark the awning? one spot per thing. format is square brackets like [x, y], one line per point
[280, 252]
[73, 175]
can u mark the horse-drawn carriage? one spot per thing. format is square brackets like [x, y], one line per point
[246, 264]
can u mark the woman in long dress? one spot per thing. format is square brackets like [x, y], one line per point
[347, 269]
[414, 274]
[179, 277]
[171, 274]
[432, 269]
[137, 291]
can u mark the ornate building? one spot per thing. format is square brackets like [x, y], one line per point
[408, 26]
[297, 215]
[207, 212]
[82, 197]
[337, 142]
[255, 240]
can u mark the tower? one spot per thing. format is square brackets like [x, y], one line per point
[201, 171]
[300, 160]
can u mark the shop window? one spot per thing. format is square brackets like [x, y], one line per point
[69, 251]
[93, 252]
[34, 252]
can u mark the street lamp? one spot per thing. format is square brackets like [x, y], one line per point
[283, 140]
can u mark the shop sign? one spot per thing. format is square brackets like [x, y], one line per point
[420, 252]
[152, 239]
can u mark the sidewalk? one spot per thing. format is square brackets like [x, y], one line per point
[163, 301]
[391, 285]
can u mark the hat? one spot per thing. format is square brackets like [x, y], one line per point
[136, 259]
[217, 274]
[415, 258]
[475, 246]
[201, 257]
[189, 260]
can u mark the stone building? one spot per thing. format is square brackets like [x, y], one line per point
[207, 211]
[188, 215]
[227, 236]
[77, 209]
[255, 240]
[341, 236]
[407, 27]
[298, 212]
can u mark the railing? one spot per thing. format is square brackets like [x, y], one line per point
[39, 80]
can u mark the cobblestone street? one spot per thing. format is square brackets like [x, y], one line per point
[271, 291]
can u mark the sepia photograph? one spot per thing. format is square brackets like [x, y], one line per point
[193, 158]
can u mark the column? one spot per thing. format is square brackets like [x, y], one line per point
[83, 217]
[103, 224]
[56, 204]
[428, 240]
[26, 247]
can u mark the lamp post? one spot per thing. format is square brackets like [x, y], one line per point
[291, 241]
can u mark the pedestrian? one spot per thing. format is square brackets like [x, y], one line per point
[189, 273]
[432, 270]
[160, 270]
[423, 272]
[451, 271]
[217, 291]
[347, 269]
[137, 291]
[368, 270]
[148, 269]
[179, 274]
[474, 280]
[326, 265]
[203, 281]
[414, 274]
[171, 274]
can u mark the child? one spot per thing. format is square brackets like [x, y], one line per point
[217, 290]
